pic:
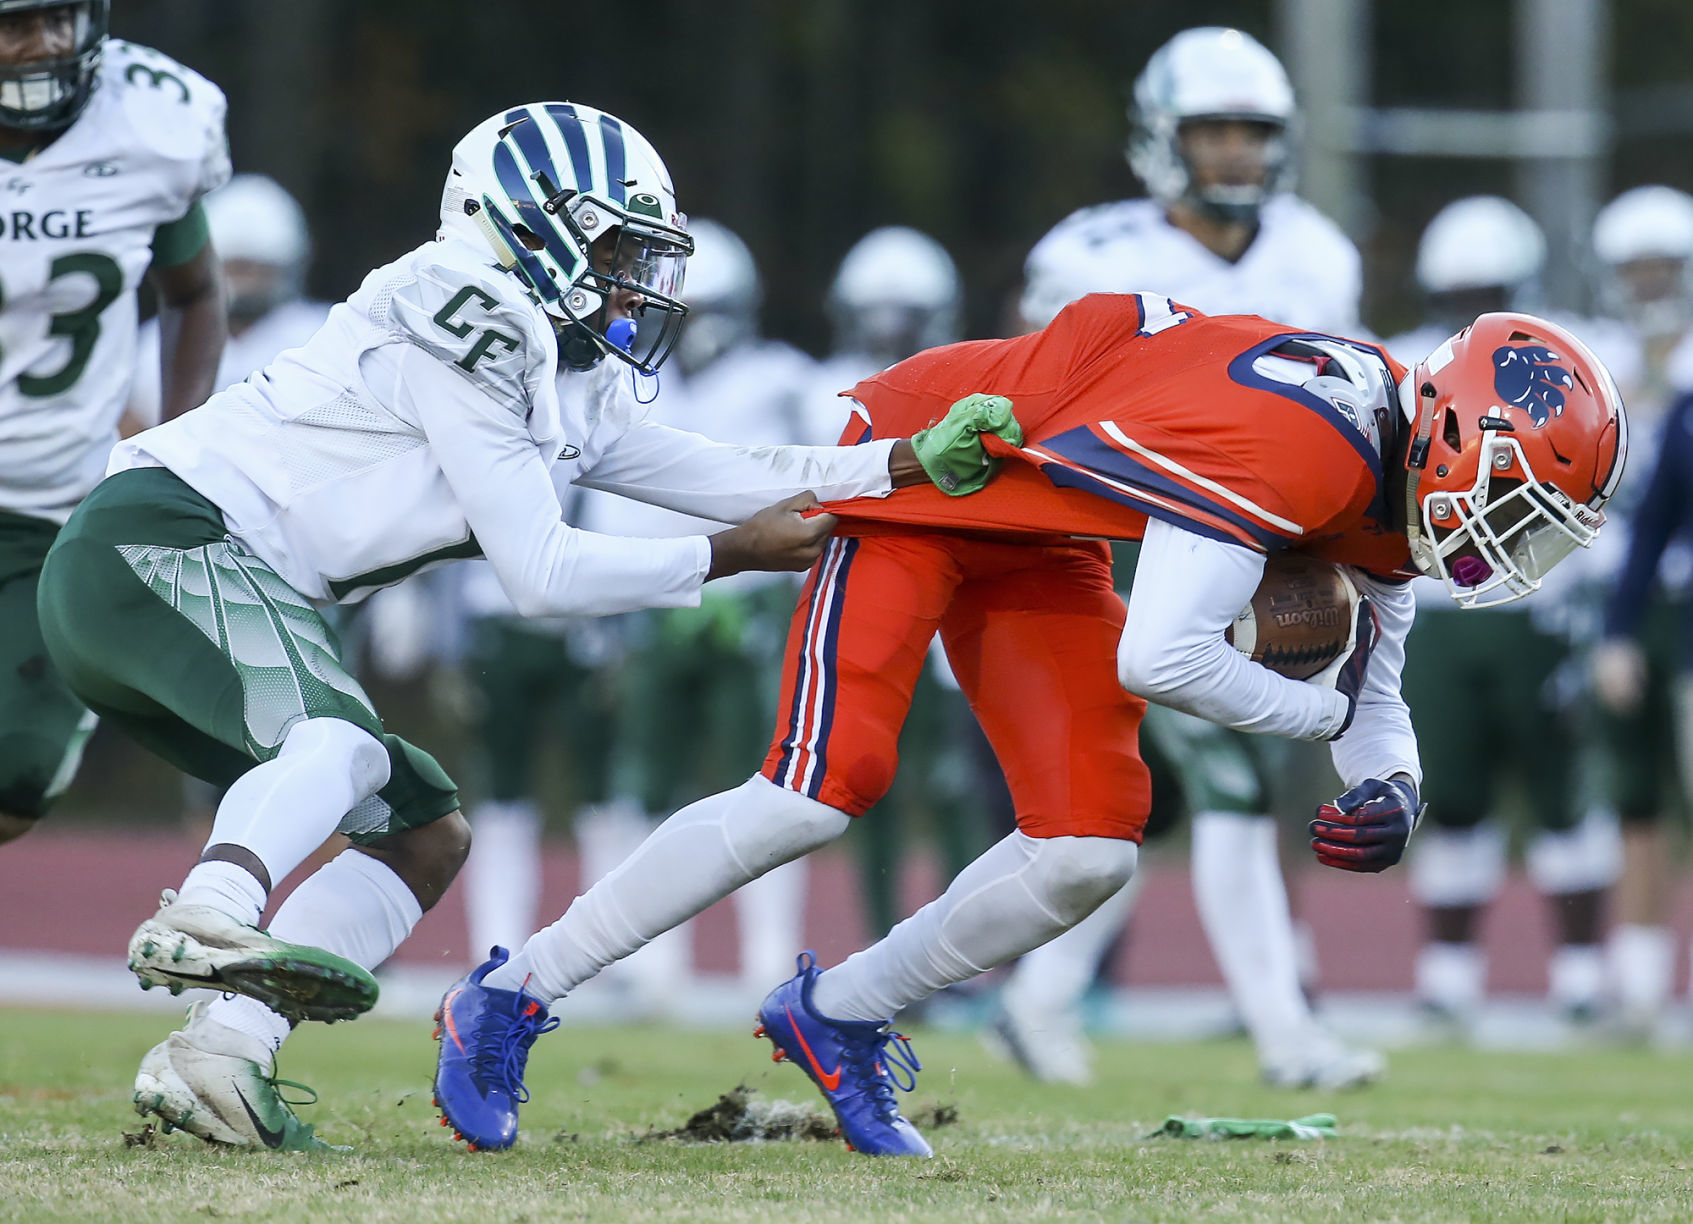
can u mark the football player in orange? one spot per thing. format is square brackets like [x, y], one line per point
[1218, 440]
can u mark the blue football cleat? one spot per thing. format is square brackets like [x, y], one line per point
[485, 1035]
[850, 1060]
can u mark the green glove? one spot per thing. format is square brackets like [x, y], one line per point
[1315, 1126]
[951, 452]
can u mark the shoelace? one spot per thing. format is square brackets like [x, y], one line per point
[277, 1085]
[877, 1063]
[502, 1054]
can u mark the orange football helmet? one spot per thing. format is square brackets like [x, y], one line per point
[1518, 437]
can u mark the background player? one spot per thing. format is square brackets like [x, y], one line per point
[1214, 120]
[1477, 674]
[896, 293]
[1644, 242]
[111, 146]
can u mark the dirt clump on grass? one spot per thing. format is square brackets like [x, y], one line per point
[741, 1116]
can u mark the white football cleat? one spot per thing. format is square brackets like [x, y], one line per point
[187, 946]
[1049, 1045]
[1323, 1062]
[212, 1082]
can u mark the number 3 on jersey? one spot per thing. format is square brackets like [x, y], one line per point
[81, 326]
[443, 319]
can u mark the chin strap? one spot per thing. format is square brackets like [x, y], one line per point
[1416, 459]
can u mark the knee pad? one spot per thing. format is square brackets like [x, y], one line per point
[767, 825]
[1457, 867]
[1581, 859]
[362, 755]
[1073, 875]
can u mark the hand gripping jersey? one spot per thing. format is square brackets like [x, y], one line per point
[1133, 406]
[1299, 268]
[76, 227]
[422, 423]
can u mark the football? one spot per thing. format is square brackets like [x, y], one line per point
[1300, 617]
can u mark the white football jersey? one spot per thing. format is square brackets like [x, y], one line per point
[422, 423]
[288, 326]
[1300, 269]
[76, 230]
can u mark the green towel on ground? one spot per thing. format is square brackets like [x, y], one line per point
[1313, 1126]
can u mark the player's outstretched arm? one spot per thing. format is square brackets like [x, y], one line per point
[779, 537]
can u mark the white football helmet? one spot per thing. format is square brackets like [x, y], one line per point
[724, 294]
[254, 220]
[1480, 242]
[897, 292]
[1644, 241]
[1210, 73]
[540, 184]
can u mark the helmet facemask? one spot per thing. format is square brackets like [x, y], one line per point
[46, 95]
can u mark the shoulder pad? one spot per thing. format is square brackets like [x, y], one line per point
[177, 113]
[477, 320]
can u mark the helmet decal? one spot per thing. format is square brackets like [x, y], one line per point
[1528, 376]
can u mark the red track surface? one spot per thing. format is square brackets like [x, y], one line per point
[83, 892]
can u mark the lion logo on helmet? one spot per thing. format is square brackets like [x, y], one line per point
[1528, 376]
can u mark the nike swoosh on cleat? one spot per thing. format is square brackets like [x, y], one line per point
[447, 1018]
[830, 1080]
[272, 1138]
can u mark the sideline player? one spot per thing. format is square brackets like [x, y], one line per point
[1644, 242]
[110, 147]
[1491, 699]
[419, 425]
[896, 293]
[1485, 465]
[1214, 121]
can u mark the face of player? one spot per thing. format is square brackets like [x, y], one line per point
[253, 289]
[1227, 152]
[41, 34]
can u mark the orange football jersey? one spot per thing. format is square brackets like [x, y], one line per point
[1135, 406]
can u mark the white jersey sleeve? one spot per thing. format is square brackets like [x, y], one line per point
[1187, 590]
[175, 115]
[689, 473]
[506, 493]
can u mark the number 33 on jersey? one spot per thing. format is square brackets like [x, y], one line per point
[77, 221]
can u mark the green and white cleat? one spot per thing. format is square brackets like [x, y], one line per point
[186, 947]
[210, 1081]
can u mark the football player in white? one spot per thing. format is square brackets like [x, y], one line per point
[1484, 253]
[1214, 119]
[260, 234]
[419, 425]
[108, 148]
[897, 292]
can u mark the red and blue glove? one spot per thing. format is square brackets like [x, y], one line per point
[1367, 828]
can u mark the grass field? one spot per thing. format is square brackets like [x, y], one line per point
[1453, 1135]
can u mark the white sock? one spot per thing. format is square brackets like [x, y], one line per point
[770, 912]
[700, 855]
[354, 906]
[1451, 975]
[1642, 965]
[226, 888]
[502, 878]
[1054, 978]
[1576, 975]
[284, 808]
[1022, 892]
[1242, 903]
